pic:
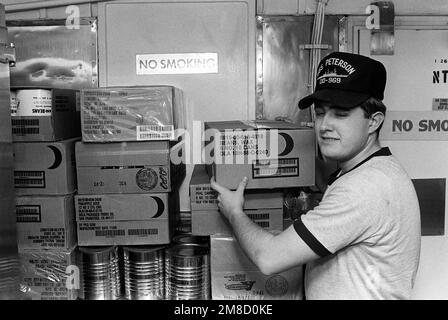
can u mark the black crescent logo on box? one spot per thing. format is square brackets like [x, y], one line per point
[276, 285]
[57, 157]
[160, 207]
[289, 144]
[146, 179]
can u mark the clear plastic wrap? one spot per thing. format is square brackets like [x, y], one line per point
[48, 274]
[131, 113]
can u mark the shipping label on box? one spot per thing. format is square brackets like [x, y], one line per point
[45, 168]
[235, 277]
[134, 167]
[139, 232]
[45, 222]
[121, 207]
[45, 115]
[212, 221]
[203, 197]
[271, 154]
[131, 113]
[45, 276]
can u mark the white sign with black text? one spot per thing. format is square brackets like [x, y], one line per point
[415, 125]
[176, 63]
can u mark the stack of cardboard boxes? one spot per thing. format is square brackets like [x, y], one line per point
[127, 183]
[274, 156]
[45, 126]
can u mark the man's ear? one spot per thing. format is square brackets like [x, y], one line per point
[375, 121]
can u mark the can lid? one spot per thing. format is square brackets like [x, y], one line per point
[191, 239]
[97, 254]
[143, 253]
[187, 250]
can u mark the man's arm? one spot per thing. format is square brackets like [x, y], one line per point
[272, 253]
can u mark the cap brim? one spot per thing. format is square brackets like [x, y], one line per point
[340, 98]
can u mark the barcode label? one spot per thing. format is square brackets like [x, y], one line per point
[274, 163]
[261, 219]
[28, 213]
[142, 232]
[25, 122]
[109, 233]
[25, 131]
[29, 179]
[262, 224]
[258, 216]
[275, 168]
[152, 132]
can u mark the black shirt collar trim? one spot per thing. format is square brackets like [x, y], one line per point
[382, 152]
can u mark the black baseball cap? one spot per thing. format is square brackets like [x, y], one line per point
[347, 80]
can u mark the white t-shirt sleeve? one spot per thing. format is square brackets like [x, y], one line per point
[346, 216]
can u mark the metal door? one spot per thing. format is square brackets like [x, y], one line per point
[225, 29]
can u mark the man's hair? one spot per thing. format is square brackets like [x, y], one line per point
[372, 105]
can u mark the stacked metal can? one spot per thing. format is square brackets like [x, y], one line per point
[144, 272]
[100, 273]
[187, 271]
[192, 239]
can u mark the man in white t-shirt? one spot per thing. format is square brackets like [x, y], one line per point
[363, 240]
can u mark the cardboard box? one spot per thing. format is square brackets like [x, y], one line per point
[133, 167]
[131, 113]
[235, 277]
[138, 219]
[271, 154]
[212, 221]
[45, 168]
[62, 123]
[203, 197]
[45, 222]
[44, 276]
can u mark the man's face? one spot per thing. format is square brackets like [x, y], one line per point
[341, 133]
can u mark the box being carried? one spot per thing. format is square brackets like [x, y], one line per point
[128, 167]
[235, 277]
[271, 154]
[45, 274]
[45, 114]
[131, 113]
[45, 168]
[45, 222]
[127, 219]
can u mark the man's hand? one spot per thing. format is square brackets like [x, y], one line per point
[230, 202]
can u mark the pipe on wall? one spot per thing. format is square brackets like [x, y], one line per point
[45, 4]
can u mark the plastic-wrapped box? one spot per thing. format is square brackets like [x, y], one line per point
[45, 222]
[235, 277]
[115, 114]
[49, 274]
